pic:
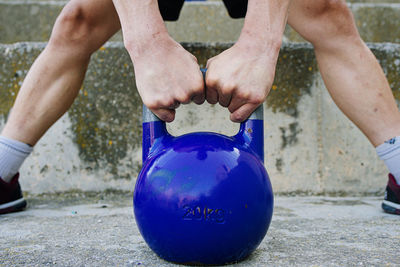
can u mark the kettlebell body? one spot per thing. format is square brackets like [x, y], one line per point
[203, 198]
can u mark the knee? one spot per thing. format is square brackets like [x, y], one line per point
[73, 28]
[331, 21]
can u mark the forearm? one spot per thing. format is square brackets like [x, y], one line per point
[265, 23]
[166, 74]
[141, 23]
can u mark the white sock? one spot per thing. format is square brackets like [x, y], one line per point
[389, 152]
[12, 155]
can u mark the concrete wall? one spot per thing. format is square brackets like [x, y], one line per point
[22, 21]
[310, 146]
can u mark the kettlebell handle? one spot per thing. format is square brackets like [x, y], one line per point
[251, 130]
[149, 116]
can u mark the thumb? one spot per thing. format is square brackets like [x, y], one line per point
[167, 115]
[243, 112]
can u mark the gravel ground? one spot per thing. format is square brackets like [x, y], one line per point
[93, 230]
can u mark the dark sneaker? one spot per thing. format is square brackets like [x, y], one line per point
[11, 198]
[391, 204]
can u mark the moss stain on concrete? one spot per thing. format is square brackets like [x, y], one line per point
[294, 74]
[289, 134]
[14, 65]
[34, 22]
[293, 79]
[374, 23]
[378, 24]
[204, 52]
[106, 116]
[389, 57]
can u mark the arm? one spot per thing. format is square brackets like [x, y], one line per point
[166, 74]
[240, 78]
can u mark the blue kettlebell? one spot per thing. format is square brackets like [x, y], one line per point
[203, 198]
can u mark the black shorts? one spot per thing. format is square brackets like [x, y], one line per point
[170, 9]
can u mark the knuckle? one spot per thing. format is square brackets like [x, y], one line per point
[211, 81]
[243, 94]
[198, 86]
[199, 90]
[159, 102]
[150, 103]
[227, 88]
[167, 102]
[184, 98]
[257, 98]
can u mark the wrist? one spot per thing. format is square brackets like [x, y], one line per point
[141, 43]
[264, 24]
[259, 45]
[142, 25]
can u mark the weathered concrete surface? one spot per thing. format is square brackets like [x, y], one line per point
[310, 146]
[376, 22]
[32, 20]
[334, 126]
[99, 230]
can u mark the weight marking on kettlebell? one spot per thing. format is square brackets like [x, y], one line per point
[204, 214]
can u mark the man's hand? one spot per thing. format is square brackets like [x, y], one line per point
[167, 76]
[240, 78]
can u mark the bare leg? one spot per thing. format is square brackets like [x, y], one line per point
[55, 78]
[350, 71]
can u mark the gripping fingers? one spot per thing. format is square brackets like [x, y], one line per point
[211, 95]
[198, 95]
[224, 99]
[199, 98]
[167, 115]
[236, 103]
[243, 112]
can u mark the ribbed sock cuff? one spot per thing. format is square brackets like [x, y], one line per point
[12, 155]
[389, 152]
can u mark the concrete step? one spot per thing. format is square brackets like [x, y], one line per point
[310, 146]
[32, 20]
